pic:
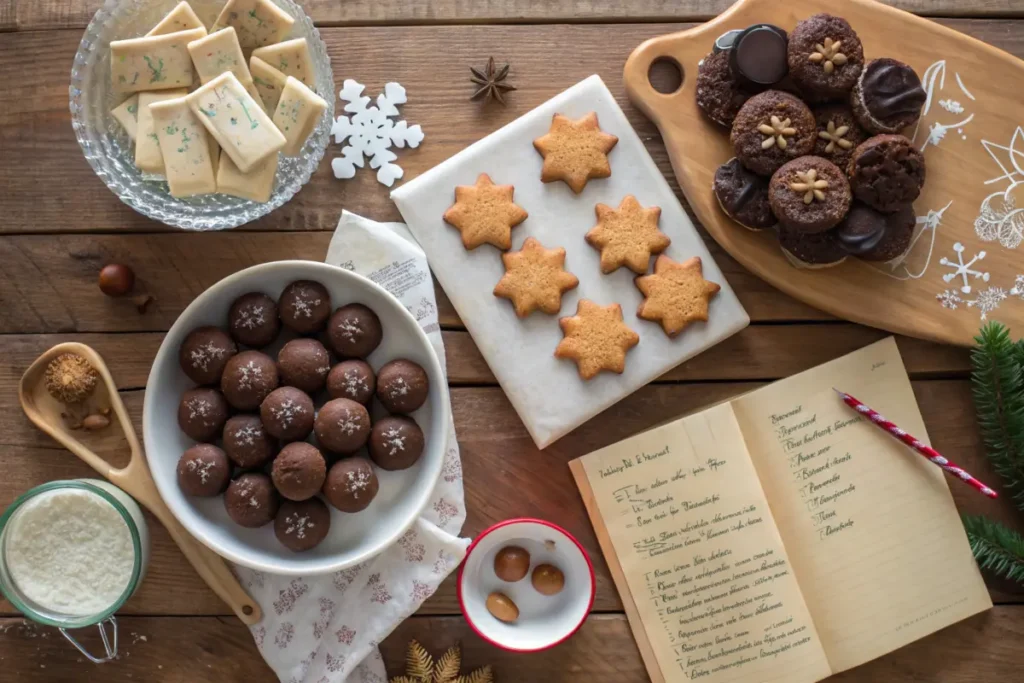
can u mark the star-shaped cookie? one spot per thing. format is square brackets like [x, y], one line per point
[575, 151]
[676, 294]
[627, 236]
[485, 213]
[535, 278]
[596, 338]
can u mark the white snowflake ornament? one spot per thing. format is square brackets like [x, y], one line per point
[371, 132]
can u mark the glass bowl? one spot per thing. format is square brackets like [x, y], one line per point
[109, 151]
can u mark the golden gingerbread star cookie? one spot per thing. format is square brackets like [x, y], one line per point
[596, 338]
[535, 278]
[676, 294]
[627, 236]
[485, 213]
[575, 151]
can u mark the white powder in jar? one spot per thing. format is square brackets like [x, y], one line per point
[69, 551]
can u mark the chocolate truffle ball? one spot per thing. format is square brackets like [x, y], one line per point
[813, 250]
[771, 129]
[304, 306]
[302, 525]
[304, 364]
[351, 484]
[396, 442]
[825, 56]
[402, 386]
[204, 354]
[342, 425]
[246, 441]
[354, 331]
[299, 471]
[887, 172]
[253, 321]
[352, 379]
[201, 413]
[809, 194]
[248, 378]
[203, 470]
[838, 134]
[888, 96]
[251, 500]
[718, 94]
[899, 230]
[287, 414]
[743, 196]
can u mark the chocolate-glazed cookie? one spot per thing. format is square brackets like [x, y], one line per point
[246, 441]
[251, 500]
[354, 331]
[809, 194]
[886, 172]
[771, 129]
[899, 231]
[758, 57]
[202, 413]
[304, 364]
[811, 250]
[396, 442]
[351, 484]
[718, 94]
[252, 320]
[825, 56]
[302, 525]
[204, 353]
[838, 133]
[861, 230]
[304, 306]
[888, 96]
[248, 378]
[743, 196]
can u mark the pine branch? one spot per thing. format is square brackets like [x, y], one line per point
[998, 388]
[482, 675]
[995, 547]
[418, 662]
[447, 668]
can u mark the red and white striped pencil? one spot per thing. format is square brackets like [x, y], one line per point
[925, 450]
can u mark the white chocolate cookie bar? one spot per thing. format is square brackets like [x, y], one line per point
[297, 114]
[188, 164]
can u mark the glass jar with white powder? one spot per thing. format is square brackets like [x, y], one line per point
[71, 554]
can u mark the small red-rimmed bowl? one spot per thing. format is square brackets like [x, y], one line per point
[544, 621]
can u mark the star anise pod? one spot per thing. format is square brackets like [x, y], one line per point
[491, 83]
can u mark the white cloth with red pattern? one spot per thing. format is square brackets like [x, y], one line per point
[325, 629]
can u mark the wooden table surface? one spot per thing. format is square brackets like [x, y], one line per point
[59, 225]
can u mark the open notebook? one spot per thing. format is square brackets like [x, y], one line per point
[779, 536]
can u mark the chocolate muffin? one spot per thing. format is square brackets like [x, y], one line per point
[396, 442]
[304, 306]
[246, 441]
[771, 129]
[299, 471]
[743, 196]
[304, 364]
[718, 94]
[251, 500]
[302, 525]
[252, 320]
[203, 470]
[354, 331]
[352, 379]
[287, 414]
[811, 250]
[248, 378]
[888, 96]
[899, 231]
[202, 413]
[838, 134]
[825, 56]
[342, 425]
[757, 58]
[351, 484]
[809, 194]
[402, 386]
[887, 172]
[204, 353]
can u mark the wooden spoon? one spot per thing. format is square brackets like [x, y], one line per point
[134, 478]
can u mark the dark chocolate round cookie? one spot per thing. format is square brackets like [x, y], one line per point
[838, 133]
[758, 57]
[287, 414]
[861, 230]
[342, 425]
[811, 250]
[888, 96]
[899, 231]
[718, 94]
[402, 386]
[302, 525]
[886, 172]
[202, 413]
[203, 470]
[354, 331]
[809, 194]
[246, 441]
[352, 379]
[351, 484]
[204, 353]
[743, 196]
[825, 56]
[248, 378]
[396, 442]
[771, 129]
[304, 306]
[299, 471]
[304, 364]
[251, 500]
[252, 320]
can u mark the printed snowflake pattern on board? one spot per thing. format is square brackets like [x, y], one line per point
[949, 299]
[988, 300]
[371, 132]
[963, 269]
[1018, 287]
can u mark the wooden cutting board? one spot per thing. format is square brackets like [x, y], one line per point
[967, 262]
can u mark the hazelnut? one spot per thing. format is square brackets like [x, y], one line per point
[116, 279]
[502, 608]
[95, 422]
[548, 579]
[70, 378]
[511, 563]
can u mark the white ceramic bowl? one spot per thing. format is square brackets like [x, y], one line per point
[353, 537]
[544, 621]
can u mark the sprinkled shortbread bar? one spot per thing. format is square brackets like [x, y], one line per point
[269, 82]
[188, 164]
[297, 114]
[147, 147]
[256, 185]
[258, 22]
[153, 62]
[181, 18]
[127, 114]
[290, 58]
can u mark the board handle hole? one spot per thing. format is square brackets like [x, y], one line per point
[666, 75]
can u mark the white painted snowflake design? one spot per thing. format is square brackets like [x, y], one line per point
[952, 106]
[949, 299]
[963, 269]
[988, 300]
[371, 132]
[1018, 287]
